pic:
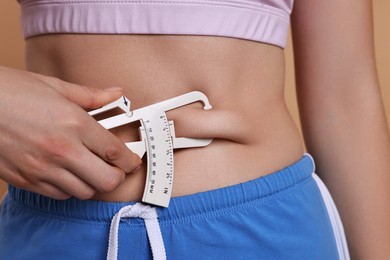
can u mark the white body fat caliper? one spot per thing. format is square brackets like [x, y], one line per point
[158, 140]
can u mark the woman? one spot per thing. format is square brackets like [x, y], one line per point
[235, 57]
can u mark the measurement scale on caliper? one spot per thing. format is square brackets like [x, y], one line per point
[158, 140]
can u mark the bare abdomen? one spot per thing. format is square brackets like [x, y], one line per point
[253, 132]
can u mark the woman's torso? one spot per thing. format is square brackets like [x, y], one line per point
[253, 131]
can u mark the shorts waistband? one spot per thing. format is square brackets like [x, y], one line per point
[179, 207]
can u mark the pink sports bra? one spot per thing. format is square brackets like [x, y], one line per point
[258, 20]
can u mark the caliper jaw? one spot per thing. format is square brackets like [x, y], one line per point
[139, 147]
[122, 103]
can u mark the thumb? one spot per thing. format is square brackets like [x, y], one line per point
[85, 96]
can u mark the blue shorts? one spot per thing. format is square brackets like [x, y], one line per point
[283, 215]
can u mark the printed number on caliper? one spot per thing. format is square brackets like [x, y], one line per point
[158, 140]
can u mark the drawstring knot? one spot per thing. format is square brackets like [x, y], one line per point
[149, 215]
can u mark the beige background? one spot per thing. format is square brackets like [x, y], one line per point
[12, 51]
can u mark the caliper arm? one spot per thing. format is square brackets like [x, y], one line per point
[139, 147]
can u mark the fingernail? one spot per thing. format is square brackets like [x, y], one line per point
[113, 89]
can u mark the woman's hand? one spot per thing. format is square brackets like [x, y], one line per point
[50, 145]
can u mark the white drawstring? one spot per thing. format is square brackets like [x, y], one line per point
[149, 215]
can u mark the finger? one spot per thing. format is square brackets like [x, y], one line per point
[14, 178]
[84, 96]
[110, 148]
[94, 171]
[70, 184]
[49, 190]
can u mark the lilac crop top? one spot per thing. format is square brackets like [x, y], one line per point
[258, 20]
